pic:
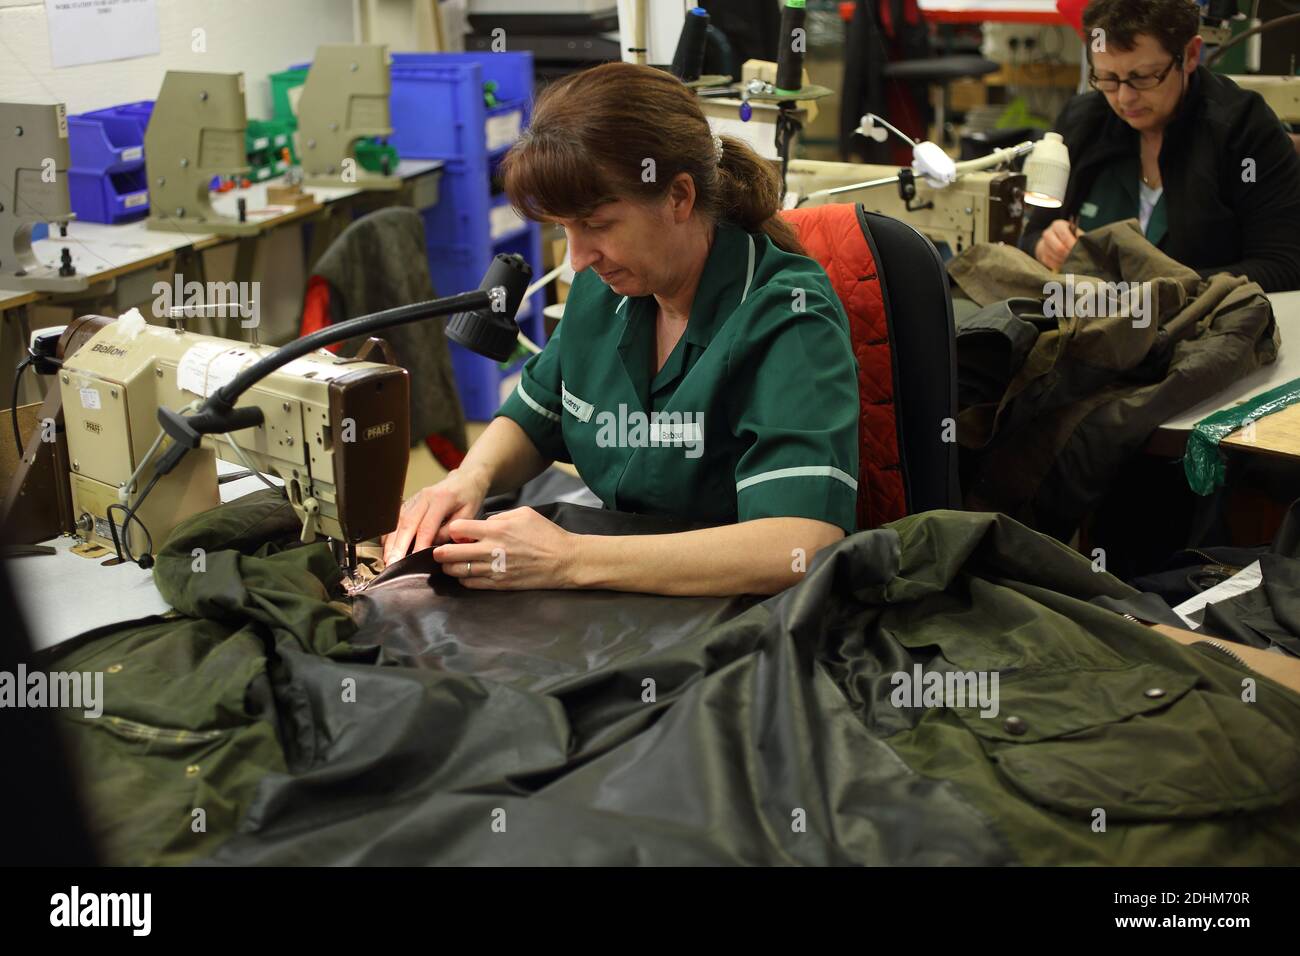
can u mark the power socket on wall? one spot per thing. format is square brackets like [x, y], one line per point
[1015, 42]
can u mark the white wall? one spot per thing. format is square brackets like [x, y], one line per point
[257, 37]
[663, 24]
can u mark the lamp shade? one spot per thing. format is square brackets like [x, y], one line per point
[1047, 171]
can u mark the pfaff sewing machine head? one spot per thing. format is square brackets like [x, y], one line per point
[334, 430]
[33, 188]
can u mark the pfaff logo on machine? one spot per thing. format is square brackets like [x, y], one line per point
[379, 431]
[108, 350]
[93, 427]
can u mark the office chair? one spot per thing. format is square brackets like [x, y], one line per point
[894, 287]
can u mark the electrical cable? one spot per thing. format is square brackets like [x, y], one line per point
[1223, 48]
[18, 381]
[129, 487]
[129, 511]
[243, 459]
[537, 286]
[123, 549]
[122, 546]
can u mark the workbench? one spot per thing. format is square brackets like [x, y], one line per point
[65, 594]
[133, 253]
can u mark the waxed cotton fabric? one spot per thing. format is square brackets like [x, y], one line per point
[519, 727]
[1093, 388]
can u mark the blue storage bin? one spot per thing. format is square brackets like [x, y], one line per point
[108, 197]
[438, 112]
[106, 175]
[437, 103]
[478, 380]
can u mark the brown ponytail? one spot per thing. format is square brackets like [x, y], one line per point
[625, 131]
[749, 194]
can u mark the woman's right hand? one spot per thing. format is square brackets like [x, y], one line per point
[1055, 244]
[425, 515]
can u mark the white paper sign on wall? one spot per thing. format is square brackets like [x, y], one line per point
[96, 31]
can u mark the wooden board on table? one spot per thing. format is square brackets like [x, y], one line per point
[1276, 434]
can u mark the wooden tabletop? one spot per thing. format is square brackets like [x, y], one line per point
[13, 298]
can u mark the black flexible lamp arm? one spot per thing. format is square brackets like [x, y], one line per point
[484, 321]
[229, 393]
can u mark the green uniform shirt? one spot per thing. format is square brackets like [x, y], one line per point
[754, 415]
[1114, 197]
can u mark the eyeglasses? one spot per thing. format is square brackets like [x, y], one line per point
[1149, 81]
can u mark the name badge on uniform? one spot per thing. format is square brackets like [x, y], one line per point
[672, 433]
[1088, 210]
[575, 406]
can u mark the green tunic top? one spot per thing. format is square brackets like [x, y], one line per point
[754, 414]
[1114, 197]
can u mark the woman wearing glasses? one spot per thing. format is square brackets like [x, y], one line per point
[1204, 166]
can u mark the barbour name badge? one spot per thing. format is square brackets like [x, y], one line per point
[575, 406]
[672, 433]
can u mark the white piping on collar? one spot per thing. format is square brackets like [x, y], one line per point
[749, 274]
[749, 278]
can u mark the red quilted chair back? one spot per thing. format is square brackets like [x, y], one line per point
[832, 234]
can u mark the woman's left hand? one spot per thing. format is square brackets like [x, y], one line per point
[513, 550]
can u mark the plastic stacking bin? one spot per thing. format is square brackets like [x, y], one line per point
[468, 109]
[106, 178]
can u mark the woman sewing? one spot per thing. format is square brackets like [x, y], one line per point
[1204, 166]
[702, 369]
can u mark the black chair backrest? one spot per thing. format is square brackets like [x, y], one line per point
[922, 339]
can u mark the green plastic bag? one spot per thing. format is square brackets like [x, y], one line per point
[1202, 463]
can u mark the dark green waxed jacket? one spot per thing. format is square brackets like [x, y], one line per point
[439, 725]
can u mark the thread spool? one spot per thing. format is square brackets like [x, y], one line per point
[688, 61]
[789, 60]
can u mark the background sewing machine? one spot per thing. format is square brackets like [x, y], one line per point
[978, 207]
[953, 204]
[1281, 93]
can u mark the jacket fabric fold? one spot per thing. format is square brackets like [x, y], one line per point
[428, 724]
[1137, 339]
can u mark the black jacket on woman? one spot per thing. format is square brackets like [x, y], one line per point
[1223, 216]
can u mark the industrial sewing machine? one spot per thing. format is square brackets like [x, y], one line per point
[334, 430]
[953, 203]
[1281, 93]
[147, 410]
[977, 207]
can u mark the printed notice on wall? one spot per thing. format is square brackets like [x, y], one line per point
[96, 31]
